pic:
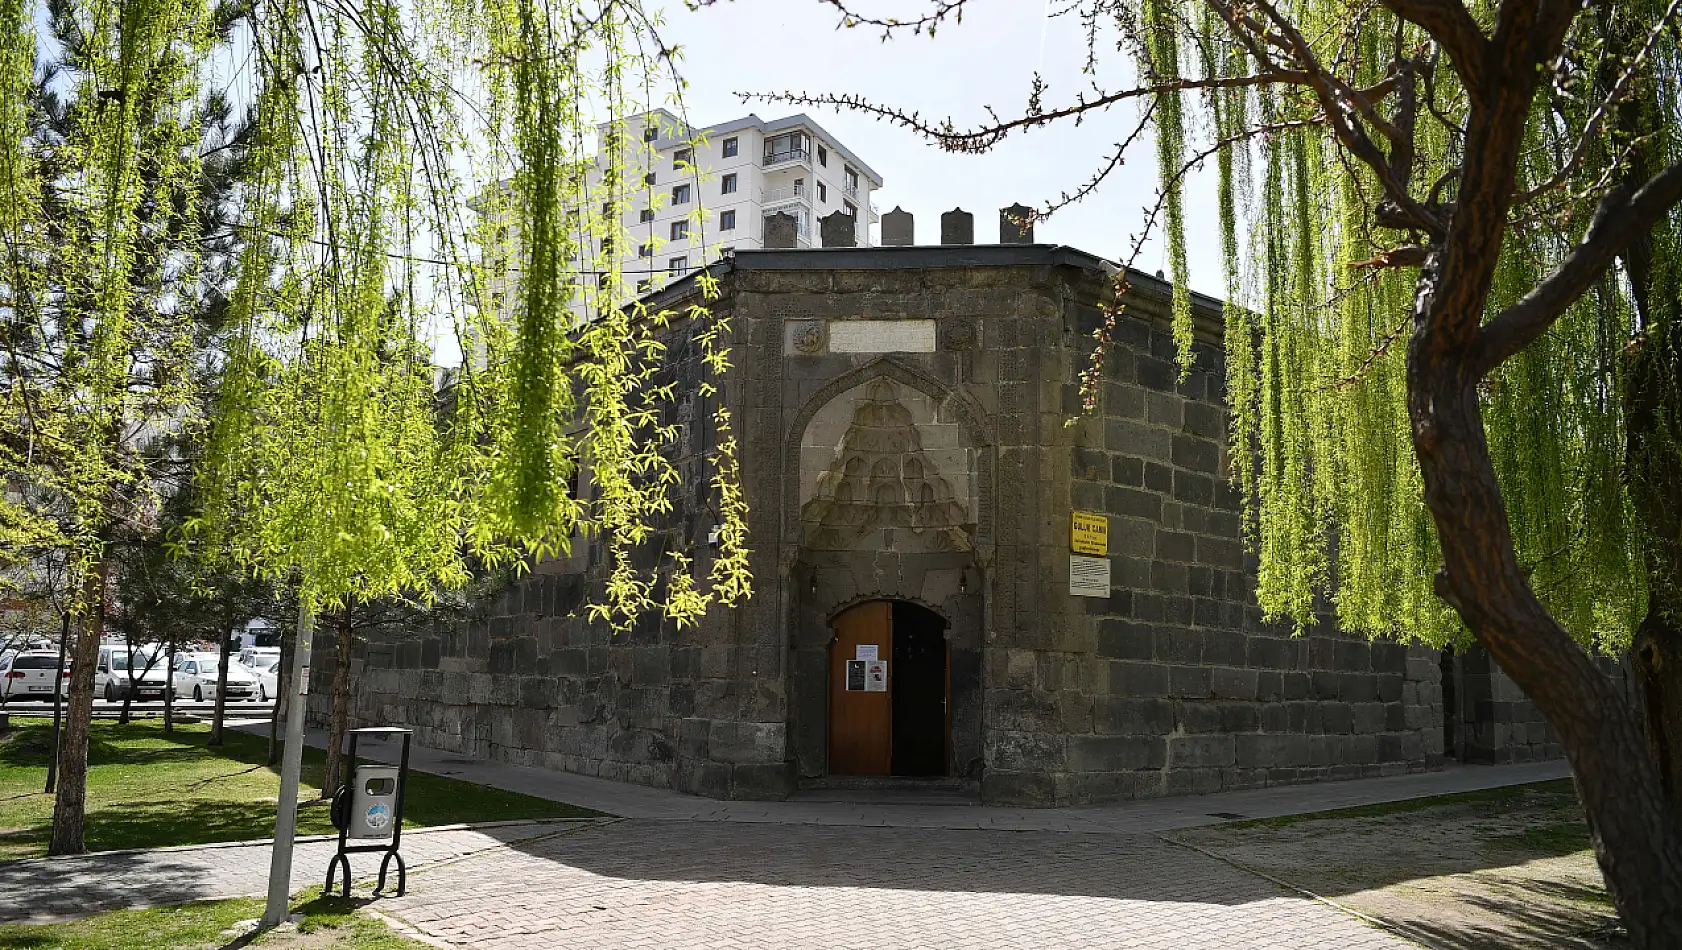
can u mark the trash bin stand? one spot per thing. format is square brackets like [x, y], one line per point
[390, 848]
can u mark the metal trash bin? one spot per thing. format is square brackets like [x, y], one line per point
[373, 802]
[369, 808]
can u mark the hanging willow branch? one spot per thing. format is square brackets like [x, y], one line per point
[330, 457]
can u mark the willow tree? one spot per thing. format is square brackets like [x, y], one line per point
[331, 462]
[1453, 357]
[107, 203]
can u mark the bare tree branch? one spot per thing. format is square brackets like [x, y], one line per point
[984, 138]
[1452, 26]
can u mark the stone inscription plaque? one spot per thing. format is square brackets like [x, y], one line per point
[881, 336]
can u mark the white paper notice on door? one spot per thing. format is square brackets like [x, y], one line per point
[876, 676]
[866, 651]
[1089, 576]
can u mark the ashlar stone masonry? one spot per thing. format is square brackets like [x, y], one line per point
[903, 418]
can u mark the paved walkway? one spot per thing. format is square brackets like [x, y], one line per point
[636, 885]
[689, 874]
[639, 801]
[624, 885]
[42, 889]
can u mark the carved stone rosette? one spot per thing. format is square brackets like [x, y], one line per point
[808, 337]
[958, 334]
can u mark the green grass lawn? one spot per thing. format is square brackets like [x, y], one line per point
[328, 923]
[148, 790]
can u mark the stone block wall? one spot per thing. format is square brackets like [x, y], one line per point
[1174, 684]
[1171, 685]
[530, 679]
[1497, 723]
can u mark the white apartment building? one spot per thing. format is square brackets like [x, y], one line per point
[736, 173]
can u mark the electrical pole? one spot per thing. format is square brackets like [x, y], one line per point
[291, 761]
[58, 702]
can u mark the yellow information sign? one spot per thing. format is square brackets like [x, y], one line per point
[1089, 532]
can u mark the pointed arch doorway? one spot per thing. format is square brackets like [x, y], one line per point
[889, 691]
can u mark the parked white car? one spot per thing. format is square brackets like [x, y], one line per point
[257, 658]
[195, 676]
[30, 675]
[268, 681]
[113, 677]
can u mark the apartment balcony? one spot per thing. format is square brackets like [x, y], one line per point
[875, 216]
[786, 195]
[786, 158]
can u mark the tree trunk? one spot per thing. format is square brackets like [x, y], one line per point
[128, 695]
[221, 686]
[58, 701]
[340, 719]
[1637, 842]
[70, 800]
[169, 686]
[1652, 404]
[1653, 469]
[1658, 663]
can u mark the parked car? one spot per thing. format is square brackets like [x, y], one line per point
[30, 675]
[196, 674]
[113, 677]
[268, 681]
[257, 658]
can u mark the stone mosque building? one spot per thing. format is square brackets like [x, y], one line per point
[954, 588]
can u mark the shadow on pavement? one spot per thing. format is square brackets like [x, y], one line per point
[1533, 915]
[1122, 867]
[75, 887]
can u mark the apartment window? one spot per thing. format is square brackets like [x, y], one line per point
[602, 280]
[646, 250]
[645, 215]
[787, 147]
[823, 156]
[727, 184]
[850, 181]
[850, 208]
[643, 286]
[648, 179]
[680, 195]
[730, 147]
[727, 221]
[823, 192]
[607, 208]
[683, 156]
[650, 133]
[680, 230]
[677, 264]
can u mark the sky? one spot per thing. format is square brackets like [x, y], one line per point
[772, 46]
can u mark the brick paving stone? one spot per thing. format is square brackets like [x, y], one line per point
[664, 884]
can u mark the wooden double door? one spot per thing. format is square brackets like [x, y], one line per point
[889, 691]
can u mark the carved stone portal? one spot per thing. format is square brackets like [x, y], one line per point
[882, 490]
